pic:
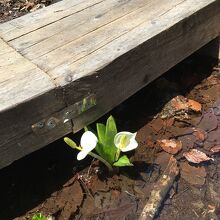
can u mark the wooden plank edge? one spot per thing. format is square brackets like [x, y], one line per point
[17, 136]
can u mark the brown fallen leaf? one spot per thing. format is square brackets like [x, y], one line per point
[215, 149]
[193, 105]
[182, 103]
[196, 156]
[200, 134]
[29, 6]
[36, 7]
[170, 146]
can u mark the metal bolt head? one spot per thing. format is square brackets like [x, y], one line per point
[40, 124]
[51, 123]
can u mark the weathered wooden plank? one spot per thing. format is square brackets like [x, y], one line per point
[43, 17]
[17, 137]
[183, 16]
[106, 34]
[122, 76]
[26, 95]
[63, 32]
[4, 48]
[19, 78]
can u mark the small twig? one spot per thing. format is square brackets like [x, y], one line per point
[85, 187]
[180, 193]
[195, 213]
[132, 195]
[160, 190]
[90, 167]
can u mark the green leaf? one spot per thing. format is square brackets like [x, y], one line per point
[38, 217]
[110, 132]
[70, 142]
[101, 140]
[101, 132]
[109, 146]
[123, 162]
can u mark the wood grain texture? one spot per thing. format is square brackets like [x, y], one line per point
[110, 48]
[43, 17]
[26, 95]
[122, 76]
[19, 78]
[50, 37]
[181, 14]
[92, 41]
[17, 137]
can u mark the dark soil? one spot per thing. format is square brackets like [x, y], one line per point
[53, 182]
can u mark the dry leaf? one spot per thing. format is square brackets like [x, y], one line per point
[215, 149]
[196, 156]
[195, 106]
[29, 6]
[181, 103]
[170, 146]
[200, 134]
[36, 7]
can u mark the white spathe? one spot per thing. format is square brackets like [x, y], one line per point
[125, 141]
[88, 143]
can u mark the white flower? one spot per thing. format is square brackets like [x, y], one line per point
[125, 141]
[88, 143]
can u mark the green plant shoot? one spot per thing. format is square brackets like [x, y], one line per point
[108, 144]
[38, 216]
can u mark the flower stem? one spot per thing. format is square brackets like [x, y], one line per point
[102, 160]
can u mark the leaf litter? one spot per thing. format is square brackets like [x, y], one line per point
[171, 146]
[196, 156]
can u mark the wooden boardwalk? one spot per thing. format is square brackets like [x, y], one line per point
[66, 65]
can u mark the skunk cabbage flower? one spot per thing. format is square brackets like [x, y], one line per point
[125, 141]
[88, 143]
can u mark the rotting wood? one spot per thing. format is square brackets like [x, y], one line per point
[160, 190]
[112, 60]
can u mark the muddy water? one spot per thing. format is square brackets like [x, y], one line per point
[52, 182]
